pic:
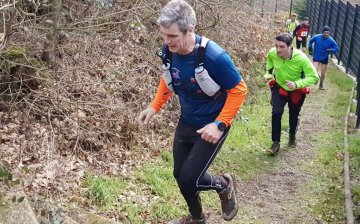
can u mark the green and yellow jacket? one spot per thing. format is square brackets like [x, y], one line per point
[298, 69]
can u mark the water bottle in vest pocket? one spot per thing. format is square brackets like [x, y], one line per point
[167, 76]
[206, 83]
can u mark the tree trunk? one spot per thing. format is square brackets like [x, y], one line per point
[50, 46]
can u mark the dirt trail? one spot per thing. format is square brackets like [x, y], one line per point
[276, 197]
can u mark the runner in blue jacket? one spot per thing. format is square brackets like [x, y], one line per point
[323, 46]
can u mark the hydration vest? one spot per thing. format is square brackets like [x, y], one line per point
[202, 77]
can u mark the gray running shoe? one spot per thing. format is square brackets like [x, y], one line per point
[292, 141]
[229, 205]
[275, 147]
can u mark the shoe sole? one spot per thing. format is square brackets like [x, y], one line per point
[272, 153]
[236, 209]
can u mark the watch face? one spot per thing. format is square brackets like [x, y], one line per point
[222, 126]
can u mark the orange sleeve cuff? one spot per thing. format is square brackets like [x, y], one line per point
[162, 96]
[235, 99]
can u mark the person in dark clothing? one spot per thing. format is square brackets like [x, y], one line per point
[323, 46]
[290, 72]
[300, 33]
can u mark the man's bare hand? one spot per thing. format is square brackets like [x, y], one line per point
[267, 77]
[210, 133]
[146, 115]
[291, 85]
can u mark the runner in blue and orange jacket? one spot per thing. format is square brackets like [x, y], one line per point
[204, 120]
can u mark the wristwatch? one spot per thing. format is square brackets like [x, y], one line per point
[221, 125]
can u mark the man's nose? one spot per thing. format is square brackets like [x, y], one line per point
[166, 40]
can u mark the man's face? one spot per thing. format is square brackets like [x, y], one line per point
[293, 18]
[174, 38]
[282, 49]
[326, 34]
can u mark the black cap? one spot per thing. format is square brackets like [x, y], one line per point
[326, 28]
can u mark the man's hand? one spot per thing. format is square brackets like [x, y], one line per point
[310, 51]
[299, 39]
[146, 115]
[210, 133]
[329, 50]
[291, 85]
[267, 77]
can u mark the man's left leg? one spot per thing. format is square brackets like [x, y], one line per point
[294, 112]
[323, 74]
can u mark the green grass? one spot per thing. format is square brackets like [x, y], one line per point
[326, 191]
[354, 150]
[356, 200]
[103, 191]
[327, 185]
[160, 182]
[244, 152]
[342, 81]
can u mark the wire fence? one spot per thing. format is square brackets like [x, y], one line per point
[344, 20]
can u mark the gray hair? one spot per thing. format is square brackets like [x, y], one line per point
[178, 12]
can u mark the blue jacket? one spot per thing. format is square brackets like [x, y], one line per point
[197, 108]
[322, 47]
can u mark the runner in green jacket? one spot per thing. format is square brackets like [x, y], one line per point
[291, 72]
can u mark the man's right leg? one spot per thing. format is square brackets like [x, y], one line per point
[182, 146]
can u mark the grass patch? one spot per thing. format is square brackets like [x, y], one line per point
[356, 201]
[327, 185]
[244, 151]
[342, 81]
[354, 150]
[326, 194]
[103, 191]
[160, 181]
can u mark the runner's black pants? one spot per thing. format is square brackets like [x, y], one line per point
[192, 158]
[278, 103]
